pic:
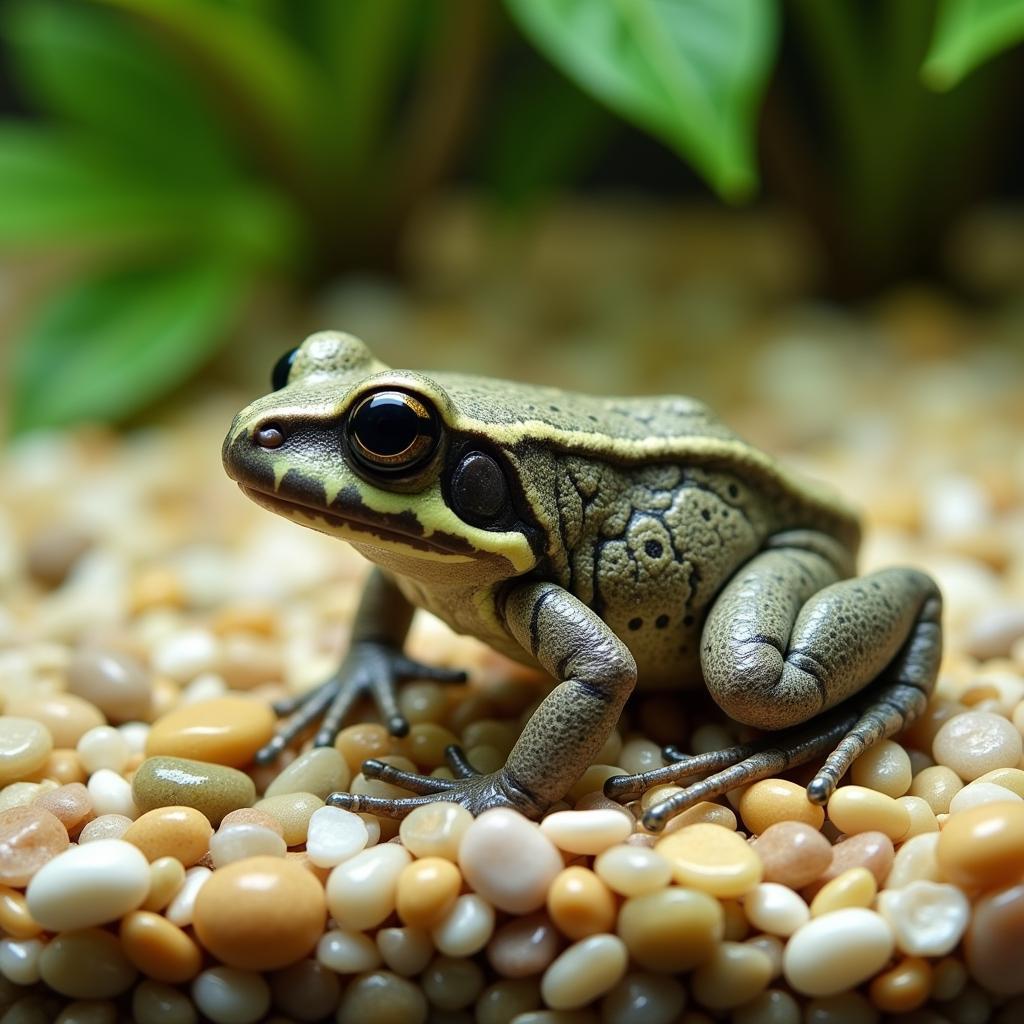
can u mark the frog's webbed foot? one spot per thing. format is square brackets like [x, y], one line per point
[370, 668]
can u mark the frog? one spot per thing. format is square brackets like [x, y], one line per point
[618, 544]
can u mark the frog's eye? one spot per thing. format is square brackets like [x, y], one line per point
[279, 377]
[479, 493]
[392, 431]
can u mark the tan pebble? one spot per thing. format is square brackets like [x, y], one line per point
[105, 826]
[949, 976]
[915, 861]
[52, 551]
[770, 801]
[260, 914]
[994, 941]
[588, 832]
[584, 972]
[425, 744]
[974, 794]
[1009, 778]
[247, 662]
[16, 920]
[406, 951]
[885, 767]
[156, 587]
[29, 838]
[736, 926]
[773, 1006]
[226, 730]
[524, 946]
[734, 974]
[593, 780]
[450, 984]
[983, 846]
[179, 832]
[643, 997]
[922, 817]
[362, 891]
[306, 991]
[113, 682]
[658, 794]
[580, 904]
[856, 809]
[159, 949]
[66, 717]
[166, 696]
[485, 759]
[772, 947]
[291, 812]
[166, 877]
[640, 755]
[466, 928]
[501, 1002]
[712, 859]
[252, 816]
[671, 930]
[597, 801]
[707, 812]
[86, 964]
[904, 987]
[212, 789]
[426, 891]
[69, 803]
[936, 785]
[871, 850]
[320, 770]
[423, 702]
[63, 766]
[25, 744]
[922, 731]
[633, 870]
[855, 887]
[249, 617]
[793, 853]
[358, 743]
[976, 742]
[384, 998]
[435, 830]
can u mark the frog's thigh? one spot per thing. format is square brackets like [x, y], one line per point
[786, 640]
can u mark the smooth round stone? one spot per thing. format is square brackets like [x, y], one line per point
[581, 904]
[885, 767]
[334, 835]
[642, 998]
[292, 812]
[406, 951]
[671, 930]
[320, 770]
[435, 830]
[503, 1000]
[855, 887]
[936, 785]
[103, 747]
[466, 928]
[974, 794]
[871, 850]
[66, 717]
[524, 946]
[175, 781]
[734, 974]
[451, 985]
[589, 832]
[159, 949]
[227, 995]
[384, 998]
[983, 846]
[927, 918]
[111, 793]
[306, 991]
[836, 952]
[426, 891]
[89, 885]
[179, 832]
[712, 859]
[185, 654]
[995, 939]
[509, 861]
[181, 909]
[584, 972]
[155, 1003]
[24, 746]
[775, 909]
[115, 683]
[793, 853]
[105, 826]
[771, 801]
[347, 951]
[915, 861]
[69, 804]
[241, 841]
[166, 877]
[19, 960]
[856, 809]
[226, 730]
[362, 891]
[86, 964]
[260, 914]
[633, 870]
[977, 742]
[251, 816]
[29, 838]
[15, 920]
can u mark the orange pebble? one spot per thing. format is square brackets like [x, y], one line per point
[770, 801]
[362, 741]
[427, 890]
[15, 920]
[902, 988]
[180, 832]
[580, 904]
[159, 949]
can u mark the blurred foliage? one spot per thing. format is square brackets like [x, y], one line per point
[188, 152]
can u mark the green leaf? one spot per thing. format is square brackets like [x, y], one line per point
[106, 347]
[689, 71]
[967, 33]
[95, 70]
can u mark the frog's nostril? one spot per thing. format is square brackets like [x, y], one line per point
[269, 437]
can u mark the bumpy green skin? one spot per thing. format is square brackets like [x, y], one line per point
[647, 543]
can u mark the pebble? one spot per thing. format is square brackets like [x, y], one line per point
[588, 832]
[406, 951]
[793, 853]
[62, 767]
[105, 826]
[712, 859]
[580, 904]
[69, 804]
[426, 891]
[927, 918]
[292, 812]
[508, 860]
[426, 743]
[362, 891]
[922, 818]
[238, 842]
[184, 654]
[65, 717]
[227, 995]
[29, 838]
[181, 909]
[993, 633]
[306, 991]
[86, 964]
[52, 552]
[210, 788]
[775, 909]
[837, 951]
[20, 794]
[903, 988]
[158, 949]
[983, 846]
[180, 832]
[773, 1006]
[856, 809]
[466, 928]
[885, 767]
[226, 730]
[320, 770]
[524, 946]
[358, 743]
[348, 952]
[115, 683]
[384, 998]
[501, 1002]
[641, 998]
[1009, 778]
[334, 835]
[450, 984]
[671, 930]
[855, 887]
[995, 939]
[103, 747]
[25, 744]
[915, 861]
[15, 919]
[88, 885]
[772, 801]
[734, 974]
[584, 972]
[19, 960]
[251, 816]
[435, 830]
[871, 850]
[111, 793]
[937, 785]
[166, 877]
[633, 870]
[261, 913]
[976, 742]
[974, 794]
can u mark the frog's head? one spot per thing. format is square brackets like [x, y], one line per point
[377, 457]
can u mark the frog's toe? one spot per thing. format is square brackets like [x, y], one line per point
[301, 712]
[374, 769]
[382, 806]
[458, 762]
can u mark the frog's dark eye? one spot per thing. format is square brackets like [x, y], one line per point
[279, 378]
[479, 492]
[392, 431]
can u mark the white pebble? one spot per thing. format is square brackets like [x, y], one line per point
[19, 960]
[335, 835]
[466, 928]
[915, 861]
[509, 861]
[111, 794]
[135, 735]
[584, 972]
[207, 686]
[775, 909]
[837, 951]
[89, 885]
[928, 918]
[236, 842]
[586, 831]
[974, 794]
[103, 747]
[347, 951]
[183, 655]
[361, 890]
[229, 996]
[181, 909]
[975, 742]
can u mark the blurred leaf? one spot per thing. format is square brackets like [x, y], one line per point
[967, 33]
[690, 71]
[107, 346]
[92, 68]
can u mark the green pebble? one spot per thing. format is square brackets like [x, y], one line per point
[211, 789]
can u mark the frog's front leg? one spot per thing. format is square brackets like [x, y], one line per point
[374, 665]
[596, 674]
[790, 644]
